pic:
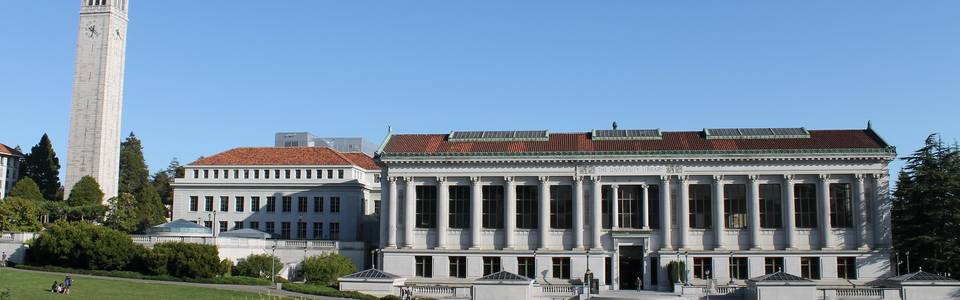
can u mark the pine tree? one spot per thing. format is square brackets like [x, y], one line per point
[86, 192]
[134, 175]
[26, 188]
[122, 213]
[926, 208]
[43, 166]
[150, 209]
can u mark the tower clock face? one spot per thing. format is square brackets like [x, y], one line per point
[91, 29]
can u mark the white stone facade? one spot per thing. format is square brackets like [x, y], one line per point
[664, 229]
[94, 142]
[9, 169]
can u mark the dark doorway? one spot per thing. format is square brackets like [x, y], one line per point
[631, 267]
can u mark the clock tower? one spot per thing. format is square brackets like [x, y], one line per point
[94, 145]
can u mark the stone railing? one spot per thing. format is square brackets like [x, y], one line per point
[434, 291]
[859, 293]
[558, 289]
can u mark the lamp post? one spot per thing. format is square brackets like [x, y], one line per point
[588, 277]
[686, 269]
[273, 262]
[732, 283]
[676, 268]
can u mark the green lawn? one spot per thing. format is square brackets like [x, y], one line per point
[24, 285]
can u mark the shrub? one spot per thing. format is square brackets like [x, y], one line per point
[85, 192]
[390, 297]
[26, 188]
[257, 265]
[327, 291]
[675, 270]
[82, 245]
[326, 268]
[224, 267]
[184, 260]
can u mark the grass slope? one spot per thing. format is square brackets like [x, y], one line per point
[25, 285]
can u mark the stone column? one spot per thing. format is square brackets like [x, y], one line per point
[789, 214]
[718, 217]
[665, 215]
[443, 211]
[860, 211]
[645, 211]
[392, 213]
[596, 222]
[826, 234]
[753, 207]
[876, 210]
[510, 215]
[409, 212]
[683, 212]
[544, 218]
[578, 212]
[476, 212]
[614, 206]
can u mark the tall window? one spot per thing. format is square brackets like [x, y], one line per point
[194, 203]
[317, 204]
[426, 206]
[735, 205]
[271, 228]
[493, 206]
[301, 230]
[561, 267]
[222, 227]
[271, 204]
[335, 204]
[239, 204]
[700, 214]
[561, 206]
[738, 268]
[491, 265]
[527, 267]
[302, 204]
[285, 230]
[841, 206]
[317, 230]
[847, 267]
[459, 206]
[606, 218]
[287, 204]
[458, 266]
[810, 267]
[772, 264]
[805, 204]
[254, 203]
[702, 267]
[424, 266]
[224, 203]
[237, 225]
[255, 225]
[208, 205]
[653, 209]
[329, 174]
[527, 206]
[334, 231]
[629, 205]
[771, 209]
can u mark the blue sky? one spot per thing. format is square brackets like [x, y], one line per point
[205, 76]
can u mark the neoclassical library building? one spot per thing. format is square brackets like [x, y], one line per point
[732, 203]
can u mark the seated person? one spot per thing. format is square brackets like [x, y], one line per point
[53, 288]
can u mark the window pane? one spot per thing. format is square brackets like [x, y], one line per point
[561, 206]
[735, 205]
[493, 206]
[841, 206]
[459, 207]
[527, 198]
[771, 209]
[426, 206]
[700, 203]
[805, 205]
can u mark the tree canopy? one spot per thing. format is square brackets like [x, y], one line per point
[43, 166]
[19, 215]
[926, 208]
[85, 192]
[122, 213]
[26, 188]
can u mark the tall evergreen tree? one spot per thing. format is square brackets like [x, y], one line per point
[161, 180]
[43, 166]
[926, 208]
[122, 213]
[150, 209]
[134, 175]
[86, 192]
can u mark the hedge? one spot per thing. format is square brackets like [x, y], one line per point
[327, 291]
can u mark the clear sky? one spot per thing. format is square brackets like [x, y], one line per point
[206, 76]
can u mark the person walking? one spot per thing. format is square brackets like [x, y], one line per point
[3, 259]
[66, 284]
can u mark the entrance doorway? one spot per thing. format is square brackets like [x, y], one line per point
[631, 267]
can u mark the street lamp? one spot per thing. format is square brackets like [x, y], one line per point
[686, 269]
[732, 283]
[676, 268]
[273, 262]
[588, 276]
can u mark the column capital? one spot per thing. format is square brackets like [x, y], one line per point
[508, 178]
[577, 178]
[543, 179]
[682, 178]
[615, 186]
[823, 177]
[441, 179]
[718, 177]
[408, 179]
[877, 175]
[475, 179]
[644, 186]
[391, 179]
[859, 176]
[665, 177]
[595, 178]
[789, 177]
[753, 177]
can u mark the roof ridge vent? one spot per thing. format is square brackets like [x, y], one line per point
[755, 133]
[499, 136]
[625, 134]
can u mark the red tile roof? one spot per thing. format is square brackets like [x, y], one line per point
[300, 156]
[4, 149]
[672, 141]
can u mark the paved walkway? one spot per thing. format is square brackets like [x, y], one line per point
[633, 294]
[258, 289]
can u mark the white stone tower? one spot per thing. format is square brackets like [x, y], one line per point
[94, 146]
